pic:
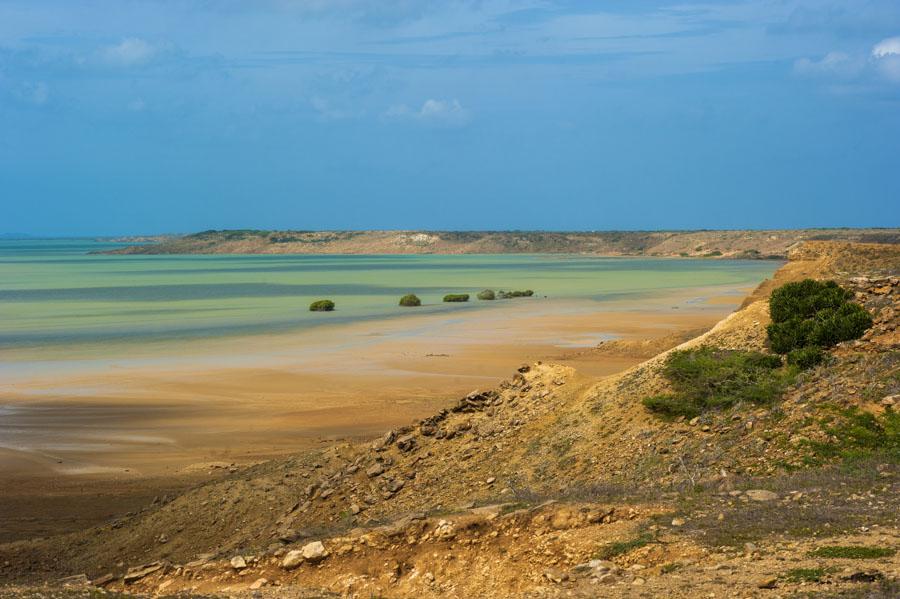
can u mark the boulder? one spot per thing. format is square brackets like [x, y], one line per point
[292, 559]
[314, 552]
[761, 495]
[238, 562]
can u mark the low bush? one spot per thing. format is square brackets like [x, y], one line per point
[806, 357]
[622, 547]
[814, 313]
[711, 378]
[487, 294]
[510, 294]
[321, 306]
[456, 297]
[410, 300]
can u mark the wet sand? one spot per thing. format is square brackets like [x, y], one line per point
[133, 428]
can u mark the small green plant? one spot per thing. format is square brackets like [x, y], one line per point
[670, 567]
[410, 300]
[855, 434]
[622, 547]
[511, 294]
[814, 313]
[852, 552]
[456, 297]
[487, 294]
[321, 306]
[806, 357]
[711, 378]
[804, 575]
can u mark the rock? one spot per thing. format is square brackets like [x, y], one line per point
[259, 583]
[444, 531]
[761, 495]
[406, 442]
[375, 470]
[104, 580]
[555, 576]
[677, 521]
[138, 572]
[238, 562]
[524, 368]
[355, 509]
[607, 578]
[768, 583]
[693, 421]
[314, 552]
[890, 400]
[79, 580]
[292, 559]
[490, 480]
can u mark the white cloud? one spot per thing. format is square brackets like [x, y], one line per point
[137, 105]
[444, 113]
[887, 47]
[886, 55]
[833, 63]
[129, 52]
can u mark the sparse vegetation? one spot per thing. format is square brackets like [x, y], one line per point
[410, 300]
[814, 313]
[487, 294]
[710, 378]
[622, 547]
[804, 575]
[456, 297]
[855, 433]
[321, 306]
[852, 552]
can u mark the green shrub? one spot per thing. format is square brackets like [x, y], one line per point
[814, 313]
[487, 294]
[710, 378]
[806, 357]
[321, 306]
[622, 547]
[804, 575]
[510, 294]
[410, 299]
[456, 297]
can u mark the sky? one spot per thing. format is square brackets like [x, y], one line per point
[137, 117]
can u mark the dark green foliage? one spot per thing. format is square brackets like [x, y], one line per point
[814, 313]
[856, 434]
[510, 294]
[852, 552]
[806, 357]
[487, 294]
[321, 306]
[456, 297]
[410, 300]
[711, 378]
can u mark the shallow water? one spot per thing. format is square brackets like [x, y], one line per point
[57, 299]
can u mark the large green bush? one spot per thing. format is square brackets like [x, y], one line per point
[456, 297]
[711, 378]
[814, 313]
[410, 300]
[321, 306]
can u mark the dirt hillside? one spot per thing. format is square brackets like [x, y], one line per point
[552, 484]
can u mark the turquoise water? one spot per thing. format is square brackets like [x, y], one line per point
[54, 292]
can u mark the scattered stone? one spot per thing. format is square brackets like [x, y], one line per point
[768, 583]
[355, 509]
[79, 580]
[238, 562]
[677, 521]
[761, 495]
[314, 552]
[292, 559]
[406, 442]
[104, 580]
[375, 470]
[258, 584]
[138, 572]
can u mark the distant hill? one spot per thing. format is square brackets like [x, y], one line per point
[772, 244]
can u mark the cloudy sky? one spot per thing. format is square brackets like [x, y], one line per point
[128, 116]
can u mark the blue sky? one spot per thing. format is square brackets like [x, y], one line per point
[126, 116]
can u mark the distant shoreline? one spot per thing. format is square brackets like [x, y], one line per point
[730, 244]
